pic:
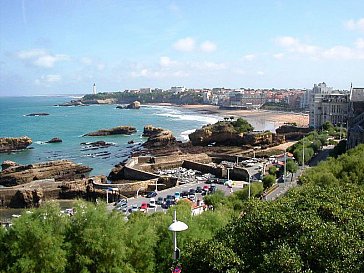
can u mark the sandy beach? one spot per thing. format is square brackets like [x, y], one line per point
[274, 116]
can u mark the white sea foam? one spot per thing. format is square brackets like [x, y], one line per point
[40, 142]
[184, 134]
[181, 116]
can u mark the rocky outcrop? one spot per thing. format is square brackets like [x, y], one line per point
[150, 130]
[54, 140]
[8, 144]
[133, 105]
[58, 170]
[160, 139]
[293, 132]
[27, 198]
[221, 133]
[224, 134]
[37, 114]
[99, 101]
[8, 163]
[72, 103]
[120, 130]
[97, 144]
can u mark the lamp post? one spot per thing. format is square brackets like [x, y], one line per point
[138, 191]
[249, 184]
[303, 153]
[285, 168]
[175, 227]
[228, 174]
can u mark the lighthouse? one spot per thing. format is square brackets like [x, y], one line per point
[94, 89]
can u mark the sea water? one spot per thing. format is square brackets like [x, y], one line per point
[72, 122]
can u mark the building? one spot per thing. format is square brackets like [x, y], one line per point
[356, 118]
[328, 105]
[94, 89]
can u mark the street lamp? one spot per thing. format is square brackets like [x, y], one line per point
[285, 168]
[228, 173]
[175, 227]
[249, 183]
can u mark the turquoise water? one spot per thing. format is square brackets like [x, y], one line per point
[70, 123]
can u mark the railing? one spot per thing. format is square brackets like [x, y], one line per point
[358, 119]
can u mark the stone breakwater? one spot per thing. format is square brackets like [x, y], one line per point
[8, 144]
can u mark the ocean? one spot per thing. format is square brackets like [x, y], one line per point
[71, 123]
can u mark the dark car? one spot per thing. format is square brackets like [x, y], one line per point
[184, 194]
[151, 194]
[159, 201]
[212, 188]
[167, 204]
[198, 189]
[192, 191]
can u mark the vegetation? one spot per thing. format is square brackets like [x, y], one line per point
[242, 126]
[317, 227]
[187, 97]
[268, 181]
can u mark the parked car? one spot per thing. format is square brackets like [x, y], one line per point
[167, 204]
[177, 195]
[151, 194]
[191, 191]
[198, 189]
[143, 207]
[159, 201]
[184, 194]
[134, 208]
[152, 203]
[121, 203]
[212, 188]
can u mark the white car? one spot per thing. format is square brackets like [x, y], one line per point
[152, 203]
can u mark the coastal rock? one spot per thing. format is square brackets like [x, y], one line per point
[293, 132]
[72, 103]
[150, 130]
[8, 144]
[97, 144]
[120, 130]
[99, 101]
[116, 173]
[163, 138]
[133, 105]
[59, 170]
[37, 114]
[7, 164]
[54, 140]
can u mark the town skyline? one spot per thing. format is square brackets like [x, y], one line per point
[64, 47]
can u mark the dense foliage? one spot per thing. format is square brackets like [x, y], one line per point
[317, 227]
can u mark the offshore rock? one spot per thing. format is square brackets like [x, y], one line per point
[37, 114]
[120, 130]
[8, 144]
[163, 138]
[133, 105]
[54, 140]
[58, 170]
[150, 130]
[97, 144]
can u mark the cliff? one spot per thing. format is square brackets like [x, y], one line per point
[59, 170]
[293, 132]
[120, 130]
[8, 144]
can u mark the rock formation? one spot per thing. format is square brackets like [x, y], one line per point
[54, 140]
[133, 105]
[7, 164]
[225, 134]
[293, 132]
[8, 144]
[97, 144]
[150, 130]
[59, 170]
[37, 114]
[120, 130]
[160, 138]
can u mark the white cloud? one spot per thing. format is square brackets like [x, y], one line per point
[208, 46]
[41, 58]
[48, 79]
[294, 45]
[355, 24]
[278, 56]
[260, 73]
[207, 65]
[360, 43]
[249, 57]
[186, 44]
[165, 61]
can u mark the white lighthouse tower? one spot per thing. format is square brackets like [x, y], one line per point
[94, 89]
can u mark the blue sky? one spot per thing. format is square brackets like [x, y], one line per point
[63, 47]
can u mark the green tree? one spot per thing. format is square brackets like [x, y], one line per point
[272, 170]
[291, 167]
[268, 181]
[35, 242]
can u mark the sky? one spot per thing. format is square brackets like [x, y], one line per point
[50, 47]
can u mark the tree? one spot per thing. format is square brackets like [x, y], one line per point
[268, 181]
[272, 170]
[291, 167]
